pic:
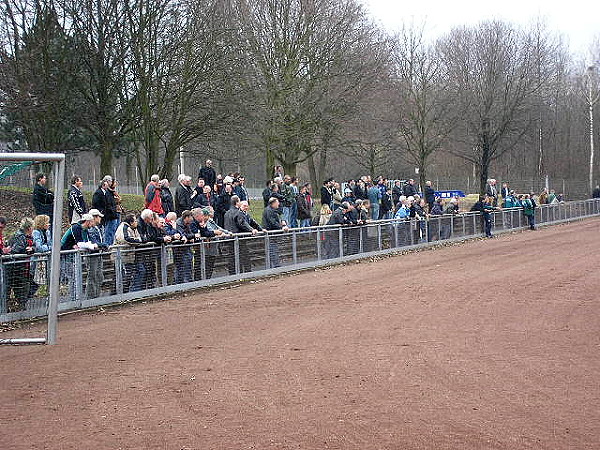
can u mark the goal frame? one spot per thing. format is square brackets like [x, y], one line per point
[58, 160]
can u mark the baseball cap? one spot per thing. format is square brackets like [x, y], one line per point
[95, 212]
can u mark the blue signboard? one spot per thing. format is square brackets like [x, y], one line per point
[449, 194]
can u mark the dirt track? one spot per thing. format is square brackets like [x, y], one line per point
[487, 345]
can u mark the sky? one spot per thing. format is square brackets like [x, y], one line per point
[577, 20]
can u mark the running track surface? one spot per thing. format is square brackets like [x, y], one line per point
[490, 344]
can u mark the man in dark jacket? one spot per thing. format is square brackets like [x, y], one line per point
[104, 201]
[238, 221]
[208, 174]
[429, 195]
[341, 216]
[397, 192]
[183, 194]
[272, 221]
[197, 194]
[305, 205]
[183, 256]
[166, 197]
[409, 188]
[198, 226]
[266, 193]
[77, 205]
[326, 194]
[223, 203]
[150, 233]
[43, 198]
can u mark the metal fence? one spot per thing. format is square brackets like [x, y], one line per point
[128, 273]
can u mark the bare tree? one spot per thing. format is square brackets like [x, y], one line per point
[492, 73]
[425, 108]
[305, 61]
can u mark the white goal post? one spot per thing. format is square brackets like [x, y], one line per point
[58, 160]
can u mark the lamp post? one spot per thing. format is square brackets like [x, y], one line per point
[592, 99]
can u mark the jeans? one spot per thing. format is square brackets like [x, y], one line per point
[110, 228]
[287, 212]
[305, 223]
[293, 215]
[374, 211]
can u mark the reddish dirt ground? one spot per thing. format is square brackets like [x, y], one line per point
[491, 344]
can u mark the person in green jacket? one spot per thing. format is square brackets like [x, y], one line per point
[529, 210]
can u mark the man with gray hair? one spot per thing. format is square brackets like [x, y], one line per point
[237, 220]
[152, 194]
[183, 194]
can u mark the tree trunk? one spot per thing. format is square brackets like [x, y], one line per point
[171, 152]
[270, 161]
[106, 156]
[422, 178]
[289, 168]
[312, 174]
[486, 155]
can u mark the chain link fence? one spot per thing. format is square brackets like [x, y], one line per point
[128, 273]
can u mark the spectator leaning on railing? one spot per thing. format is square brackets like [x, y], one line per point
[134, 268]
[4, 247]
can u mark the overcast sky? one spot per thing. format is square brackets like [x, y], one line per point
[578, 20]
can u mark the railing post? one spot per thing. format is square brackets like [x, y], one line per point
[163, 265]
[319, 249]
[267, 252]
[3, 284]
[118, 271]
[236, 254]
[78, 274]
[379, 237]
[294, 247]
[475, 228]
[341, 241]
[203, 245]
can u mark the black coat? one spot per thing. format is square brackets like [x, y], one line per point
[429, 195]
[166, 200]
[304, 211]
[43, 200]
[339, 217]
[209, 176]
[270, 219]
[104, 201]
[409, 190]
[237, 221]
[326, 197]
[183, 199]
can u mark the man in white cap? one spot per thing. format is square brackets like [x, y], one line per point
[95, 276]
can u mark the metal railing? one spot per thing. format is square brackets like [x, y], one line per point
[127, 273]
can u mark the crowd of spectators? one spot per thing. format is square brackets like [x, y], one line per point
[214, 209]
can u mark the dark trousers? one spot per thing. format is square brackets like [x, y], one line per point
[487, 221]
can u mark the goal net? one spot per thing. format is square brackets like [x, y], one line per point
[30, 225]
